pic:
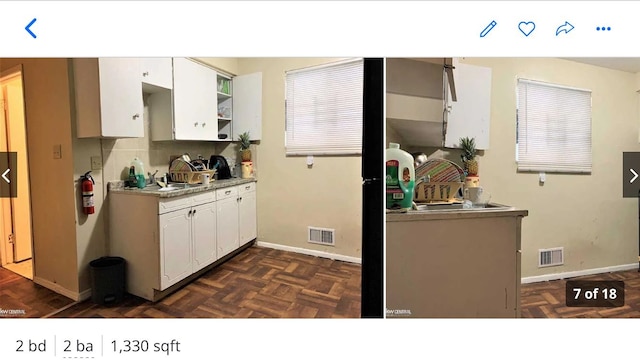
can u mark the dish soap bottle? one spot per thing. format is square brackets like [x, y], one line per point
[141, 181]
[400, 178]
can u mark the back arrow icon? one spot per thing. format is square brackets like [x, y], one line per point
[566, 28]
[635, 176]
[28, 26]
[4, 176]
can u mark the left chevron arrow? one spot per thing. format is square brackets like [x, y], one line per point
[28, 28]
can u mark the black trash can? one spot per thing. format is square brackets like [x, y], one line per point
[107, 280]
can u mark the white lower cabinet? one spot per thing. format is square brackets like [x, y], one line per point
[187, 242]
[247, 212]
[227, 232]
[166, 240]
[204, 235]
[175, 247]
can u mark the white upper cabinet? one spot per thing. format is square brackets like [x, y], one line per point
[247, 105]
[206, 105]
[470, 115]
[108, 96]
[157, 72]
[194, 101]
[189, 111]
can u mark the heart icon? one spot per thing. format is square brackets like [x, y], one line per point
[526, 27]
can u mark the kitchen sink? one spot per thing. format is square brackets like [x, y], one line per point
[458, 207]
[173, 186]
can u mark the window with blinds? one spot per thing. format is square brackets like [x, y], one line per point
[553, 128]
[324, 109]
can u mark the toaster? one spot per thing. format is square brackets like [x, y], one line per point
[222, 170]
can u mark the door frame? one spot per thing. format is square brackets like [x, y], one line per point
[6, 249]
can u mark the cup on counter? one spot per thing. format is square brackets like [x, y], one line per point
[205, 179]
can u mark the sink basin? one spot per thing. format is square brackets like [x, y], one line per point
[169, 187]
[458, 207]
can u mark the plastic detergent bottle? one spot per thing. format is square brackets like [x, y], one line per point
[400, 178]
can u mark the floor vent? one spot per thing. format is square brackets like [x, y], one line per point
[321, 236]
[550, 257]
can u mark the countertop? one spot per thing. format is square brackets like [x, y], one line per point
[492, 210]
[118, 187]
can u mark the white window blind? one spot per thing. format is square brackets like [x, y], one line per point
[324, 109]
[553, 128]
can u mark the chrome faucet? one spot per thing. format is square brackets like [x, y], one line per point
[152, 178]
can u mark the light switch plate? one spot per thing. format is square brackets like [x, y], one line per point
[96, 163]
[57, 151]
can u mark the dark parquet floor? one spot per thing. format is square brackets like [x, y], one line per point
[21, 297]
[547, 299]
[257, 283]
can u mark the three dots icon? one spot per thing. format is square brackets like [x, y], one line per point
[603, 28]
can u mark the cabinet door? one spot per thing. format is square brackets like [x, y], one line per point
[157, 72]
[227, 226]
[247, 217]
[469, 116]
[247, 105]
[121, 106]
[175, 247]
[203, 225]
[194, 101]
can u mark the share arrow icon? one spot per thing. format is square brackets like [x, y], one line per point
[566, 27]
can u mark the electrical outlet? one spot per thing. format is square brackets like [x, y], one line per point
[96, 163]
[57, 151]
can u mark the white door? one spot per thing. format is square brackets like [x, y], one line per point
[157, 72]
[175, 247]
[247, 217]
[17, 142]
[247, 105]
[203, 225]
[227, 226]
[195, 101]
[121, 97]
[469, 116]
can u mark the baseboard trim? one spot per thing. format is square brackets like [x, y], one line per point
[322, 254]
[571, 274]
[59, 289]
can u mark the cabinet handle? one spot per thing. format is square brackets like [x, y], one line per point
[146, 73]
[194, 212]
[136, 116]
[203, 124]
[227, 192]
[190, 212]
[196, 124]
[247, 187]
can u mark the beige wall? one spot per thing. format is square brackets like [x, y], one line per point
[585, 214]
[48, 115]
[292, 196]
[228, 65]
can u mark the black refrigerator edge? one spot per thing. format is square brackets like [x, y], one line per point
[372, 189]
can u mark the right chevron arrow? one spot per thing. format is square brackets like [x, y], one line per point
[635, 176]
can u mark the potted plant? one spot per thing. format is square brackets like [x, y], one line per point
[468, 146]
[245, 145]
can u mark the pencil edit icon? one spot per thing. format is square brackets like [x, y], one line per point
[487, 29]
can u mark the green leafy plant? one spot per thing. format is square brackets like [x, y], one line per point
[469, 151]
[245, 145]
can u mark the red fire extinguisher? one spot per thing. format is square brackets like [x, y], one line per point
[87, 182]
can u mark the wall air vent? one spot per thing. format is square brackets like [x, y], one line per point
[321, 236]
[550, 257]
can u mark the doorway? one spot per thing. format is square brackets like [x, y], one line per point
[16, 242]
